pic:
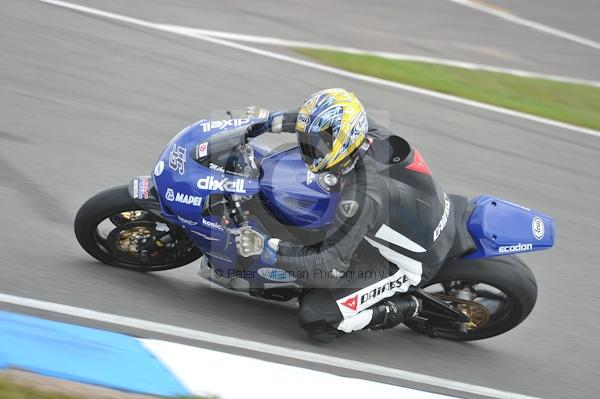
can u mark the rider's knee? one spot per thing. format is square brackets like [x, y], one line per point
[311, 319]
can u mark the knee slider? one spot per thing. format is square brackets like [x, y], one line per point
[309, 318]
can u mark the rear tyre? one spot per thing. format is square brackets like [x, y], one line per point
[497, 293]
[114, 229]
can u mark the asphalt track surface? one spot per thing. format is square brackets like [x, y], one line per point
[86, 103]
[578, 17]
[437, 28]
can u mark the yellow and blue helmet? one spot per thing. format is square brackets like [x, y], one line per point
[331, 127]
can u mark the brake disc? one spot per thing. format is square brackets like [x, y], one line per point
[478, 314]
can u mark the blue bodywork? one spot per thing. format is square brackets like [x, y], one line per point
[500, 227]
[184, 186]
[297, 198]
[292, 195]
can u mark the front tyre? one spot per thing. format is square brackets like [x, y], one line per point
[114, 229]
[496, 294]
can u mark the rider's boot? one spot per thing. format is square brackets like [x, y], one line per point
[394, 311]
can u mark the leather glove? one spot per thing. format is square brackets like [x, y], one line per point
[250, 242]
[268, 121]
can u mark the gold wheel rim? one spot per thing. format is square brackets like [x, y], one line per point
[126, 241]
[132, 215]
[477, 313]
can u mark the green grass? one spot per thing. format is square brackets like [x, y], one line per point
[17, 390]
[11, 390]
[565, 102]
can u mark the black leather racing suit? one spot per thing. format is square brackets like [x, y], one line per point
[393, 228]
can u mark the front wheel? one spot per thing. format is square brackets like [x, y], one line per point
[496, 294]
[114, 229]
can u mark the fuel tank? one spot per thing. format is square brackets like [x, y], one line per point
[296, 196]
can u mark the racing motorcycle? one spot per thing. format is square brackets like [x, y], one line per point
[211, 179]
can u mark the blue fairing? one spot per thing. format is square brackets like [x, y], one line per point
[184, 186]
[500, 227]
[293, 194]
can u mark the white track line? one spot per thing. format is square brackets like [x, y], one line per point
[258, 347]
[526, 22]
[181, 30]
[274, 41]
[200, 371]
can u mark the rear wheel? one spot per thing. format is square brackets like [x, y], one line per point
[496, 294]
[114, 229]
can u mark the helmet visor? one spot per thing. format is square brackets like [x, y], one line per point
[315, 146]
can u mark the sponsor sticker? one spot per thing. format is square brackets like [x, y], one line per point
[216, 167]
[226, 184]
[351, 303]
[370, 295]
[177, 159]
[226, 123]
[140, 188]
[170, 195]
[537, 228]
[187, 221]
[202, 150]
[211, 225]
[515, 248]
[348, 168]
[444, 220]
[158, 169]
[135, 188]
[183, 198]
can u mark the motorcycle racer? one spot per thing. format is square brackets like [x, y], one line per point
[388, 234]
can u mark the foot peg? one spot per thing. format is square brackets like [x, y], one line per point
[395, 311]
